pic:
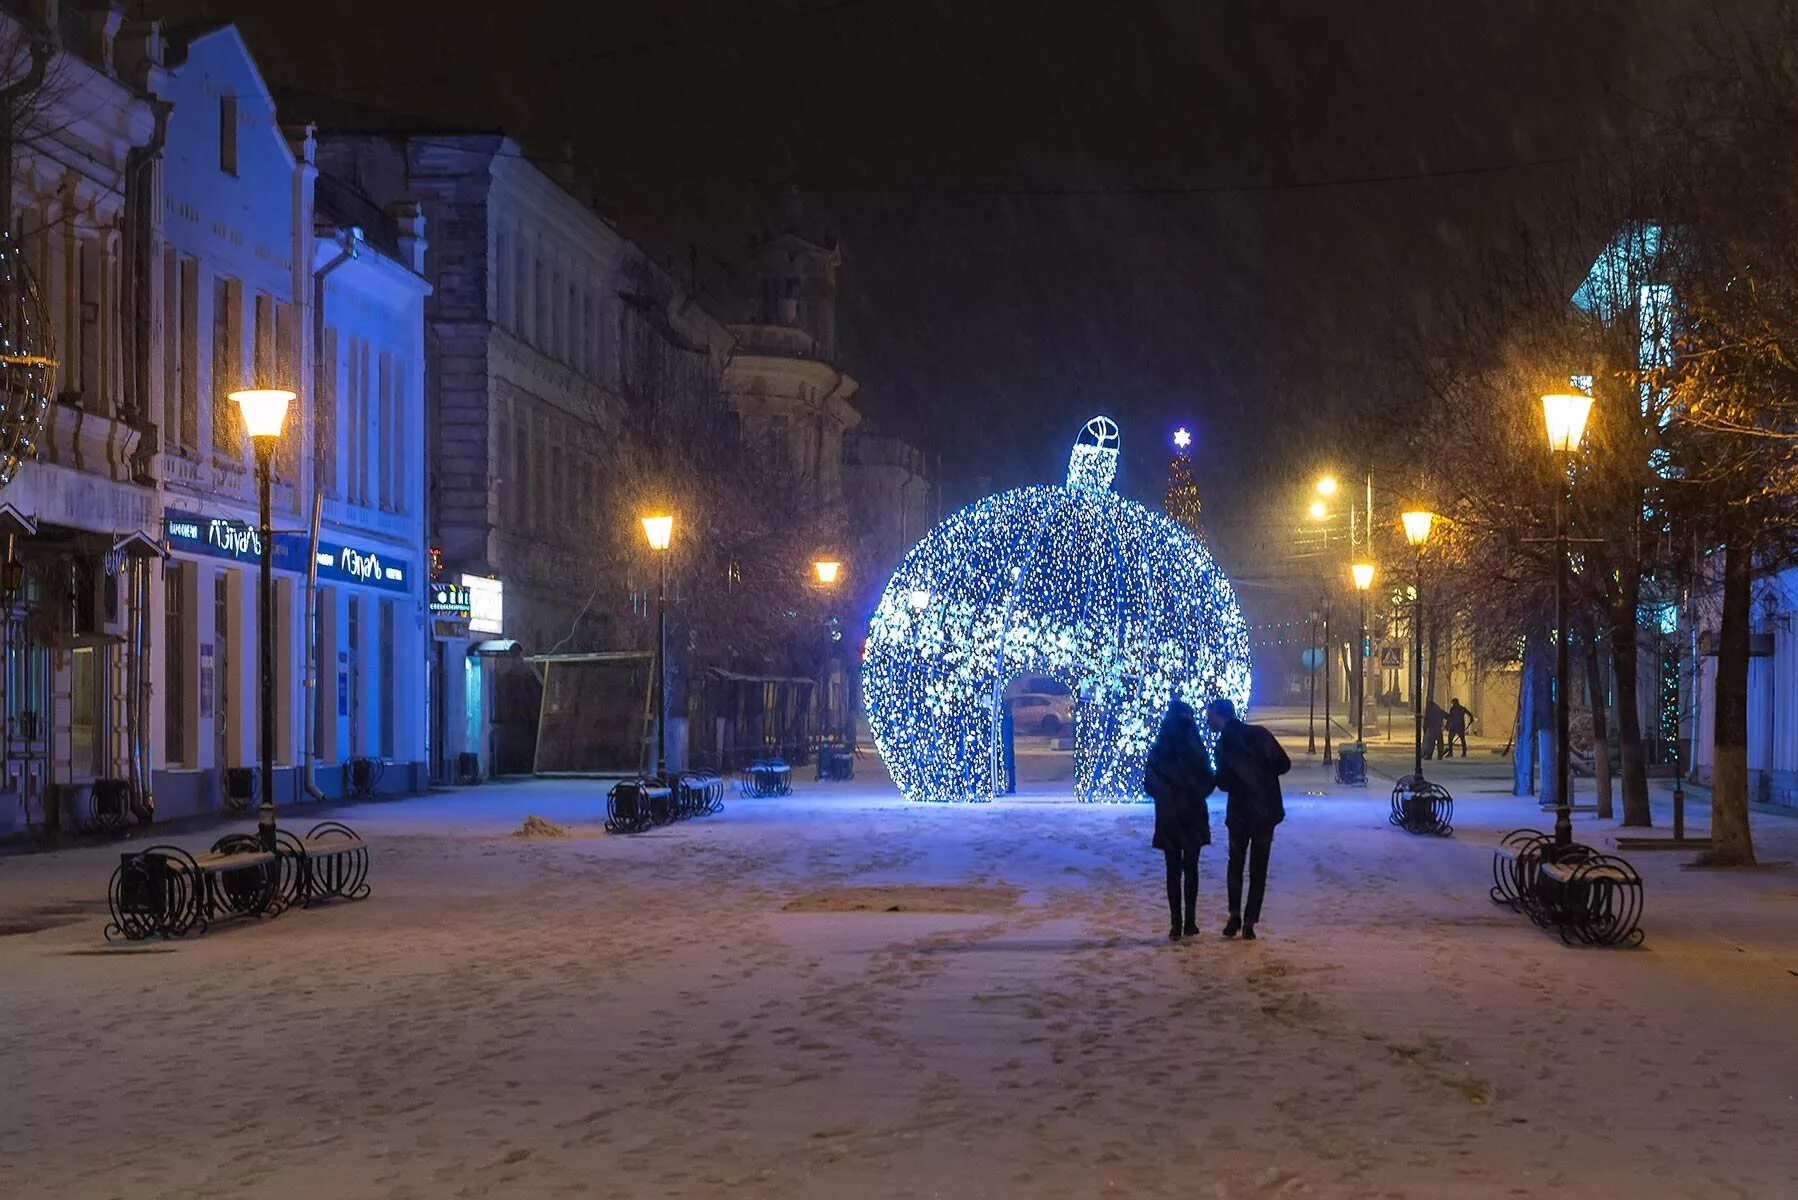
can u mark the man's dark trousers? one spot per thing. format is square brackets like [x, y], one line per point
[1252, 846]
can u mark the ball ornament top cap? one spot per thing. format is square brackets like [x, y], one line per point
[1094, 462]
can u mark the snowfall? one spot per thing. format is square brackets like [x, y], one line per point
[840, 994]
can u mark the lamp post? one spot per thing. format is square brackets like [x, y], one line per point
[1564, 415]
[659, 530]
[1362, 574]
[826, 570]
[1311, 718]
[1417, 532]
[264, 410]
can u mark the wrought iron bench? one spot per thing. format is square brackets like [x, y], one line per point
[836, 763]
[634, 805]
[329, 863]
[1514, 864]
[765, 778]
[166, 891]
[1421, 806]
[1593, 898]
[1575, 890]
[698, 794]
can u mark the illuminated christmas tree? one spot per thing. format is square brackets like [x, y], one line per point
[1181, 500]
[1119, 603]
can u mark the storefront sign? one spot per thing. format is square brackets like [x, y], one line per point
[486, 604]
[450, 600]
[225, 537]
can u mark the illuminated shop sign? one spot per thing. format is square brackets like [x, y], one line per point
[450, 600]
[486, 604]
[223, 537]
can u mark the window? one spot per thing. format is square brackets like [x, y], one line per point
[228, 134]
[190, 353]
[175, 652]
[400, 435]
[385, 432]
[354, 637]
[227, 438]
[86, 705]
[171, 349]
[501, 469]
[324, 417]
[502, 280]
[287, 375]
[364, 405]
[521, 291]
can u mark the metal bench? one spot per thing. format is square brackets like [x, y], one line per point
[634, 805]
[329, 863]
[1592, 898]
[765, 778]
[1514, 864]
[836, 763]
[1420, 806]
[166, 891]
[698, 794]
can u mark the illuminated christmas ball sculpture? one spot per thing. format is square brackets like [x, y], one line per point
[1076, 583]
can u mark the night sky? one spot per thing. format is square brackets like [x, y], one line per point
[1224, 215]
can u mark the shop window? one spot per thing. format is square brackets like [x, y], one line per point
[87, 678]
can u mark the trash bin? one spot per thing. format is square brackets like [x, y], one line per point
[1351, 765]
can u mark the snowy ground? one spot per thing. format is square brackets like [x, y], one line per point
[842, 995]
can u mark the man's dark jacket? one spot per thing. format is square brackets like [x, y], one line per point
[1250, 762]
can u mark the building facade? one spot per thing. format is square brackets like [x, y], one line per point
[171, 227]
[551, 338]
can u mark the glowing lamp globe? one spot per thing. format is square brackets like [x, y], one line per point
[827, 571]
[659, 530]
[1565, 414]
[1362, 574]
[264, 410]
[1117, 602]
[1417, 526]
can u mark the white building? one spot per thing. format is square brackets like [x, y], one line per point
[245, 264]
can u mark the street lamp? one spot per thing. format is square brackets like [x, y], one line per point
[264, 410]
[1326, 485]
[659, 530]
[1564, 415]
[1417, 532]
[1419, 806]
[1362, 574]
[827, 571]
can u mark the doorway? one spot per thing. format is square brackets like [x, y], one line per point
[1041, 720]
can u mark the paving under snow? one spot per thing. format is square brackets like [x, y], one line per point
[841, 995]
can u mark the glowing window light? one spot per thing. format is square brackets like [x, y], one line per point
[1076, 583]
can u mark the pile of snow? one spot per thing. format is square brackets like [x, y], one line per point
[536, 827]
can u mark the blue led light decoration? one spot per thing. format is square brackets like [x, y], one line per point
[1074, 582]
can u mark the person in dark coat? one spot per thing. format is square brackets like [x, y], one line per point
[1178, 777]
[1250, 761]
[1433, 719]
[1459, 718]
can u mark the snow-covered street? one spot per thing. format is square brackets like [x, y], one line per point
[840, 994]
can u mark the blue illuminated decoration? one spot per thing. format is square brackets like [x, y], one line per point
[1117, 602]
